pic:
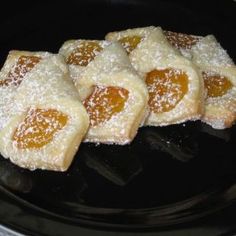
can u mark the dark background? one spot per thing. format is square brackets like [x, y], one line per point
[45, 25]
[41, 25]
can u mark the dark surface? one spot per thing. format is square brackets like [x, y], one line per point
[170, 181]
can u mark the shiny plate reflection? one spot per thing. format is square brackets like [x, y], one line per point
[166, 176]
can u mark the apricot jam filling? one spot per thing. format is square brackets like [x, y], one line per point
[180, 40]
[104, 102]
[130, 42]
[166, 88]
[84, 53]
[216, 85]
[23, 65]
[38, 128]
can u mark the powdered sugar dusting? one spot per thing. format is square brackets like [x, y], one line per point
[10, 79]
[166, 88]
[44, 113]
[105, 102]
[38, 128]
[213, 60]
[154, 52]
[80, 53]
[208, 52]
[180, 40]
[111, 71]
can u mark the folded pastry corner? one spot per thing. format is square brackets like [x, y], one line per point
[219, 74]
[16, 66]
[47, 121]
[112, 92]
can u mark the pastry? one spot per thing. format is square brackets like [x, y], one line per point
[78, 54]
[174, 85]
[112, 93]
[47, 121]
[16, 66]
[218, 72]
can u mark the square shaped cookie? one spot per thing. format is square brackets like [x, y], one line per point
[47, 121]
[219, 74]
[112, 92]
[173, 82]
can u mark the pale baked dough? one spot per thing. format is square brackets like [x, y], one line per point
[155, 52]
[111, 67]
[8, 90]
[47, 86]
[70, 46]
[220, 112]
[210, 57]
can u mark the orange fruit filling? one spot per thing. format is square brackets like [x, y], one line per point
[216, 85]
[84, 53]
[23, 65]
[130, 42]
[104, 102]
[38, 128]
[166, 88]
[180, 40]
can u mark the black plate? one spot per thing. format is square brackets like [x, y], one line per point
[168, 176]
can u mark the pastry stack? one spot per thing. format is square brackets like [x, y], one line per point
[103, 91]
